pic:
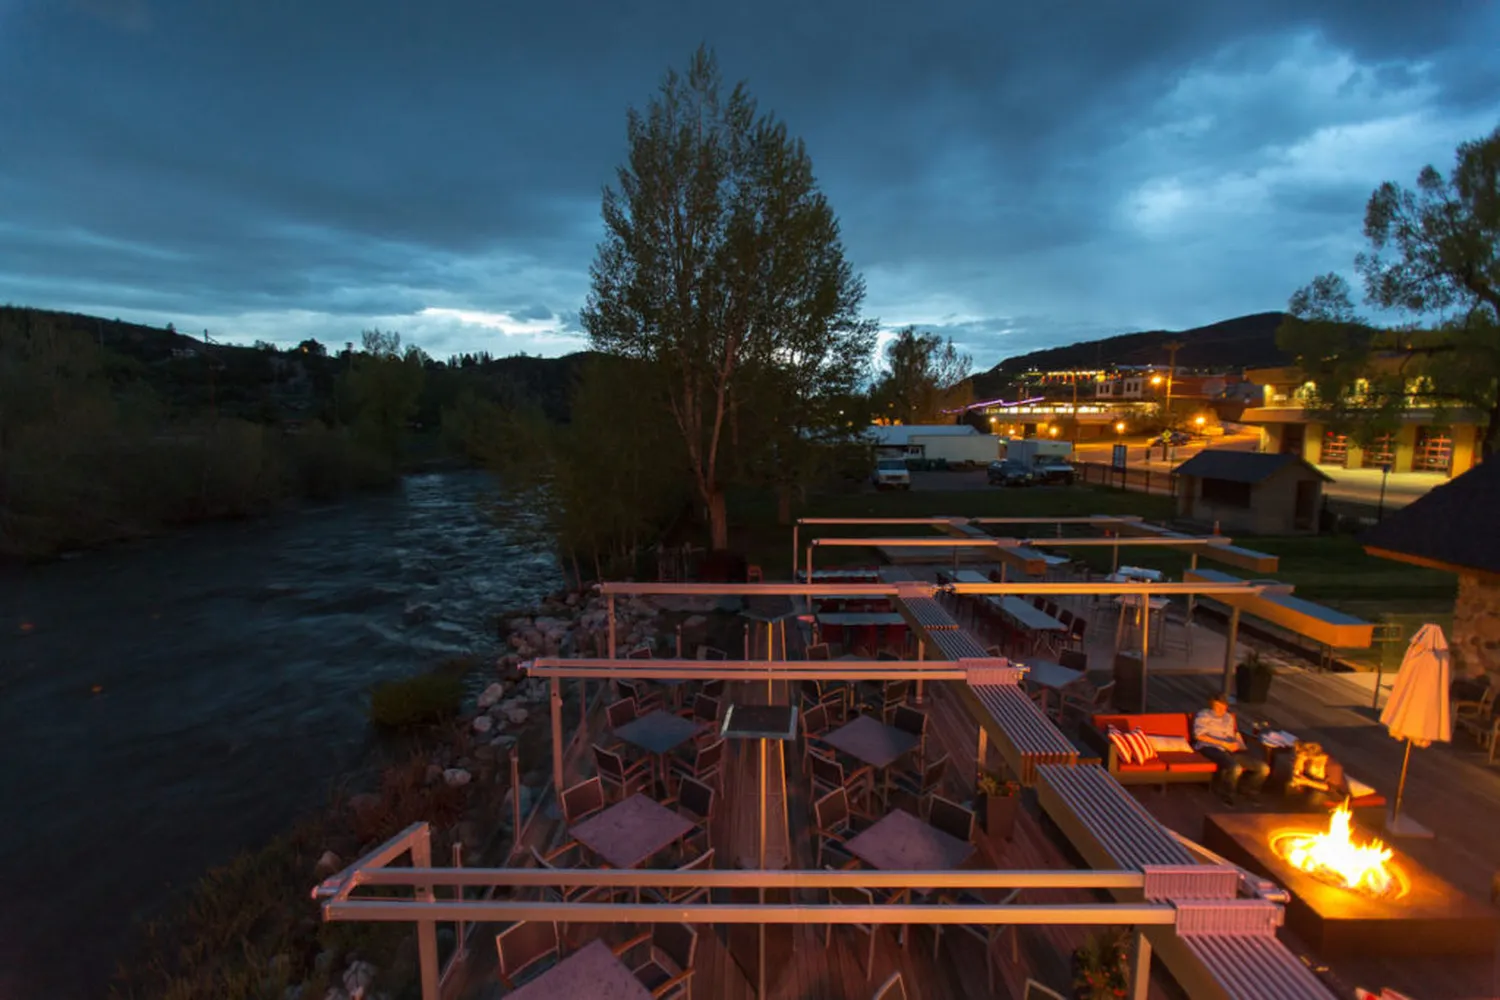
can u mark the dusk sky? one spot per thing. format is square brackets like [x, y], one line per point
[1015, 175]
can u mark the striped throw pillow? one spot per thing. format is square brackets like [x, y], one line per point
[1140, 744]
[1124, 752]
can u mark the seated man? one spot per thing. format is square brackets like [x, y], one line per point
[1217, 737]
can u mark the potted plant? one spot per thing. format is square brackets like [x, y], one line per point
[1252, 679]
[998, 801]
[1101, 966]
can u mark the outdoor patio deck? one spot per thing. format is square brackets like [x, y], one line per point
[1450, 789]
[800, 966]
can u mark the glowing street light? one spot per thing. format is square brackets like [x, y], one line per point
[1052, 430]
[1120, 427]
[1156, 380]
[1199, 421]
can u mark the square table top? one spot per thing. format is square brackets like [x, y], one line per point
[628, 833]
[872, 741]
[760, 722]
[1029, 615]
[593, 972]
[853, 618]
[658, 731]
[1051, 675]
[901, 842]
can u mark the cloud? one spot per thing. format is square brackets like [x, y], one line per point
[1016, 178]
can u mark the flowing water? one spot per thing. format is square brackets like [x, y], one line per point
[168, 703]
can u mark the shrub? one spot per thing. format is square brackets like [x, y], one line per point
[416, 701]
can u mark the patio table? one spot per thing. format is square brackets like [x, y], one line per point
[627, 834]
[593, 972]
[1028, 615]
[658, 733]
[872, 742]
[900, 842]
[1051, 677]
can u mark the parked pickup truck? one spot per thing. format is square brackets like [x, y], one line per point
[1054, 470]
[891, 474]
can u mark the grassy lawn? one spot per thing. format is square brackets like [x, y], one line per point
[755, 532]
[1332, 570]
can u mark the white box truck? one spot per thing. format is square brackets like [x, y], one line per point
[1049, 458]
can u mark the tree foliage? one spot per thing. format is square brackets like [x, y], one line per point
[1434, 253]
[722, 269]
[924, 375]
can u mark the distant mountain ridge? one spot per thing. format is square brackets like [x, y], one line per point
[1242, 342]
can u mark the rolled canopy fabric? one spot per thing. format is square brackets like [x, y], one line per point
[1417, 709]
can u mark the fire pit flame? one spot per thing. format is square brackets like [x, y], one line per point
[1333, 856]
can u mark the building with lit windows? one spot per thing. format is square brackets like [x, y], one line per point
[1433, 438]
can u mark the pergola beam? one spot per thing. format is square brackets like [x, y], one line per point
[745, 670]
[719, 878]
[503, 910]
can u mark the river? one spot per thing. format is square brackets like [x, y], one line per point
[168, 703]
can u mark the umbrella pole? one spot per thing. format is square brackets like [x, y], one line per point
[1401, 787]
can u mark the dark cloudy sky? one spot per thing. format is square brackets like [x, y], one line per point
[1016, 174]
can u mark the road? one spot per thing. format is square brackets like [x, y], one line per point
[1361, 486]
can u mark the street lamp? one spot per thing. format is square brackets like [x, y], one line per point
[1200, 421]
[1120, 427]
[1052, 430]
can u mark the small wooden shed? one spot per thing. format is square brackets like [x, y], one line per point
[1247, 491]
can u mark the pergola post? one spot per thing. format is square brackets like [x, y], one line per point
[1140, 978]
[981, 751]
[1230, 639]
[557, 737]
[921, 655]
[1144, 610]
[796, 529]
[611, 626]
[1192, 565]
[427, 947]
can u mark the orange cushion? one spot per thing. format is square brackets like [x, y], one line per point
[1190, 762]
[1150, 765]
[1159, 723]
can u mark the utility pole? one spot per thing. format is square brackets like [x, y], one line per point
[1172, 350]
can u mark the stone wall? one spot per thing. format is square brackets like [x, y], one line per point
[1476, 628]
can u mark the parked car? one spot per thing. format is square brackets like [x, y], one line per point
[891, 474]
[1010, 473]
[1055, 471]
[1176, 438]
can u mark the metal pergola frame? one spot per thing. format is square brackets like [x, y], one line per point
[338, 902]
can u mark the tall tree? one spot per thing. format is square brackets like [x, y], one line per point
[720, 256]
[924, 376]
[384, 387]
[1434, 253]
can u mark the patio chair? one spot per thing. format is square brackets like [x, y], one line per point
[619, 713]
[1050, 607]
[1176, 630]
[853, 895]
[582, 800]
[1473, 714]
[885, 699]
[828, 774]
[667, 970]
[642, 651]
[1074, 659]
[1084, 704]
[525, 945]
[705, 710]
[696, 800]
[645, 701]
[1065, 616]
[818, 651]
[569, 855]
[705, 767]
[913, 721]
[952, 818]
[711, 653]
[1039, 602]
[685, 894]
[713, 688]
[916, 790]
[615, 773]
[894, 988]
[1074, 639]
[835, 821]
[1036, 991]
[987, 934]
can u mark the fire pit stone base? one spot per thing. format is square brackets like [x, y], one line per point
[1432, 918]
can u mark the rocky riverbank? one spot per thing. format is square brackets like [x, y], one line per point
[461, 783]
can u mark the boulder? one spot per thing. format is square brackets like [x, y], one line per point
[456, 776]
[327, 864]
[434, 773]
[491, 694]
[694, 621]
[358, 979]
[483, 723]
[517, 716]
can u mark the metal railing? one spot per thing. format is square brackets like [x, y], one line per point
[1138, 479]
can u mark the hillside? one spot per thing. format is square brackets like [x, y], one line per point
[264, 384]
[1243, 342]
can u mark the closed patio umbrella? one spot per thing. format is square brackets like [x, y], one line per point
[1417, 711]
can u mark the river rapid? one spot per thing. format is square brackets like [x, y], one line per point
[167, 703]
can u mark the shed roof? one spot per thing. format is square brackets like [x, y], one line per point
[1242, 466]
[1452, 527]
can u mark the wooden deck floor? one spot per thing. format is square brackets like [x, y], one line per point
[1450, 789]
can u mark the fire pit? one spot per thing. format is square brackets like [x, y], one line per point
[1352, 894]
